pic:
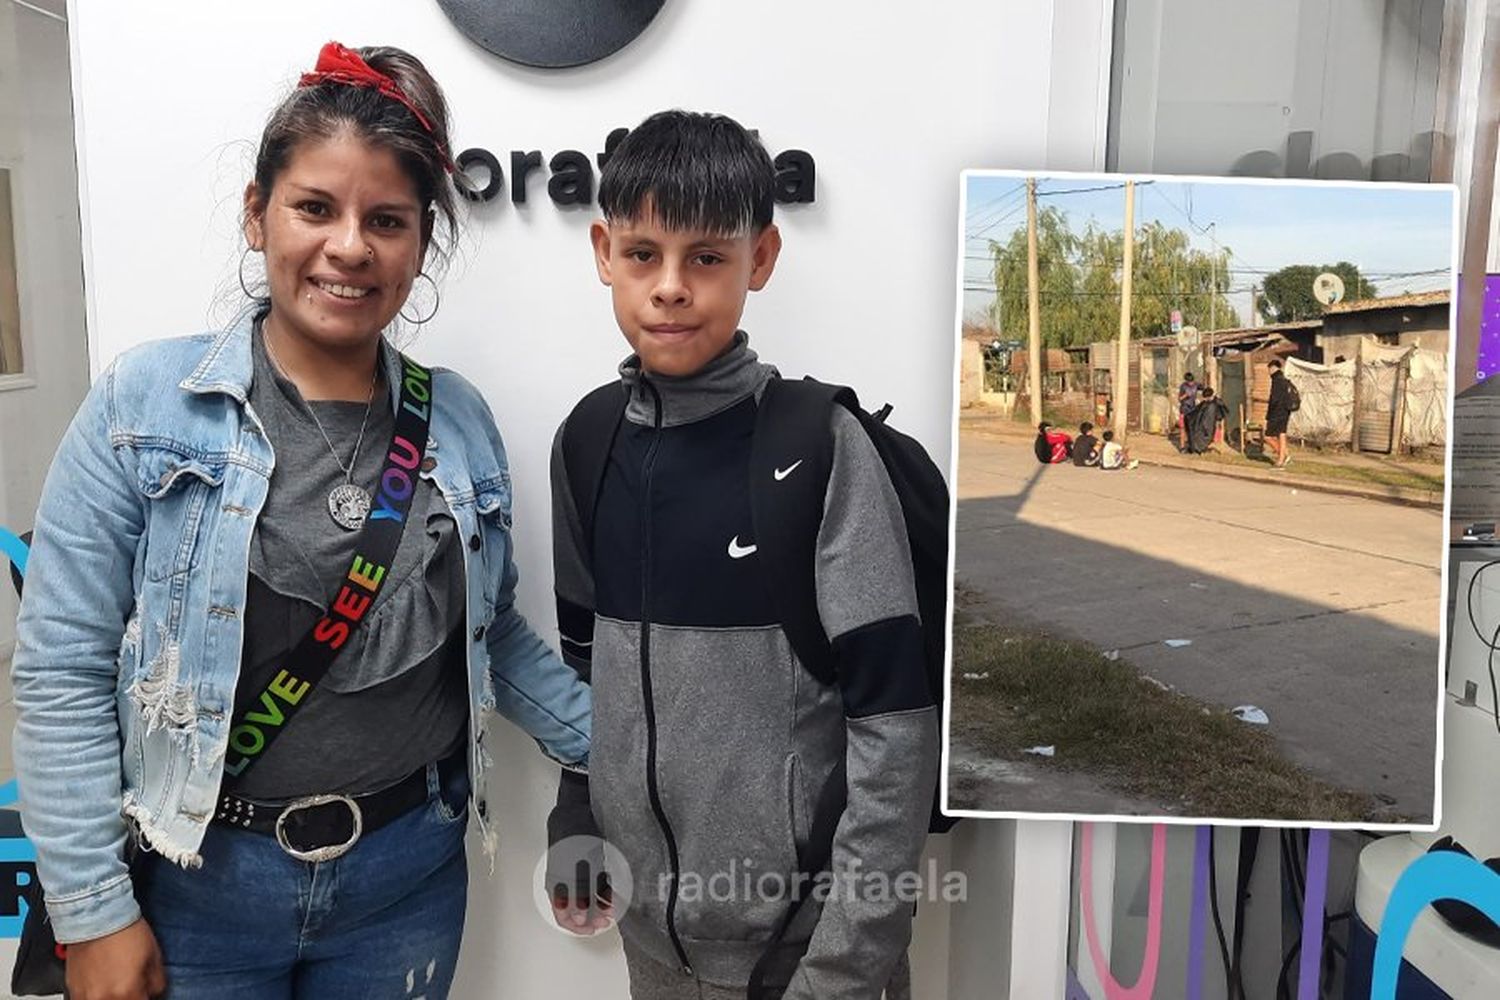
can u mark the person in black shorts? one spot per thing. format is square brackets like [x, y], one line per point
[1278, 412]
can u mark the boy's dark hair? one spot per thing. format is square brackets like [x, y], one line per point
[691, 171]
[1187, 376]
[1206, 392]
[1275, 365]
[1109, 435]
[1041, 428]
[1085, 427]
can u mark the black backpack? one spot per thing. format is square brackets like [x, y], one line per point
[1293, 397]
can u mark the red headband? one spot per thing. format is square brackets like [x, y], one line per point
[342, 65]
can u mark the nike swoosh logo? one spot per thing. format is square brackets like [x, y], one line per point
[738, 551]
[781, 474]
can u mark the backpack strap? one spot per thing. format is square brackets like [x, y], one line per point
[587, 437]
[791, 458]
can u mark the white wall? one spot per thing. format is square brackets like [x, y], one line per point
[36, 143]
[891, 108]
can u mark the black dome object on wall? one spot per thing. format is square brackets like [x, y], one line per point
[552, 33]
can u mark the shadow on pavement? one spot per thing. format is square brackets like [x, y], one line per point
[1350, 681]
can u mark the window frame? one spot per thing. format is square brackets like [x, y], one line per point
[22, 378]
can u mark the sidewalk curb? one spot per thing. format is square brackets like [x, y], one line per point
[1398, 494]
[1407, 495]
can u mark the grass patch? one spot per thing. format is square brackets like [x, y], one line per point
[1105, 720]
[1408, 474]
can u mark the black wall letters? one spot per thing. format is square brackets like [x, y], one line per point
[571, 176]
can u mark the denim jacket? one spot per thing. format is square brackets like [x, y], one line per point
[129, 637]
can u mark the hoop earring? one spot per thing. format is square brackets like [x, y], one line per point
[244, 286]
[436, 302]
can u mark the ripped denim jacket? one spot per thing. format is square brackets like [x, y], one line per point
[129, 637]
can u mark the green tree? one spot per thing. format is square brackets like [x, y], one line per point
[1288, 293]
[1058, 278]
[1080, 282]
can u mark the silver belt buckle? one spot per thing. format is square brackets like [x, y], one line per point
[319, 853]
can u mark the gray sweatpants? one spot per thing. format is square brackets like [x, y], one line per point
[650, 980]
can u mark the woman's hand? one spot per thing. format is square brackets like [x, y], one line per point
[125, 965]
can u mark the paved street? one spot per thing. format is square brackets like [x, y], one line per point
[1323, 610]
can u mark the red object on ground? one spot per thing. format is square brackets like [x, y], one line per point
[1059, 442]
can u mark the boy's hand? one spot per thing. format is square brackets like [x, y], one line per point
[578, 914]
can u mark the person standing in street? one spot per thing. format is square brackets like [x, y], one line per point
[1187, 398]
[1278, 412]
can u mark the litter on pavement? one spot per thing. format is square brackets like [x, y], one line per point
[1179, 643]
[1251, 714]
[1111, 654]
[977, 677]
[1046, 751]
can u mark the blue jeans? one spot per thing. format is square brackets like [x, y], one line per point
[254, 923]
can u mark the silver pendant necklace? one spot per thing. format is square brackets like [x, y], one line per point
[348, 504]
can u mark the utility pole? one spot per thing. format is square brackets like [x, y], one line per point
[1213, 283]
[1033, 301]
[1122, 358]
[1213, 304]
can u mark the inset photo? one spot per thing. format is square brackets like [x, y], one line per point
[1202, 439]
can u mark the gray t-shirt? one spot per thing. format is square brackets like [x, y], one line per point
[396, 698]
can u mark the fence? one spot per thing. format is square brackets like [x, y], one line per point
[1383, 396]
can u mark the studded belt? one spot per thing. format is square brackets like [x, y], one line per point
[324, 827]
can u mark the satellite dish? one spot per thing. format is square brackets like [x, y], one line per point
[1328, 288]
[1187, 338]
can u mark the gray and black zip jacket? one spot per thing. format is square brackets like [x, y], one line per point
[711, 742]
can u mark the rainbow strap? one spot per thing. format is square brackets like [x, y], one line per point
[253, 730]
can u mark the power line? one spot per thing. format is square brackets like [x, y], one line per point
[1246, 267]
[979, 232]
[975, 212]
[1135, 294]
[1102, 187]
[1050, 194]
[1369, 275]
[1203, 230]
[997, 210]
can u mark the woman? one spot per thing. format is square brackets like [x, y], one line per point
[201, 557]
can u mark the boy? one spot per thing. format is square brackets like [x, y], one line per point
[1278, 414]
[1052, 446]
[1187, 398]
[1114, 456]
[1085, 446]
[712, 744]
